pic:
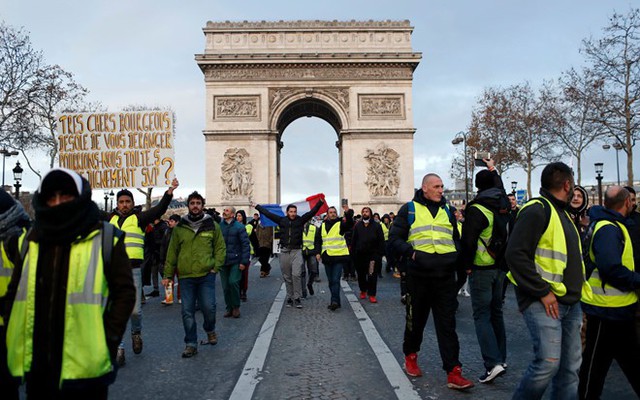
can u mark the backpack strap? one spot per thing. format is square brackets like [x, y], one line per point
[411, 213]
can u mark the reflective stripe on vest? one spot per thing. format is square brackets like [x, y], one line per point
[429, 234]
[551, 252]
[308, 238]
[609, 296]
[84, 349]
[133, 238]
[482, 257]
[332, 242]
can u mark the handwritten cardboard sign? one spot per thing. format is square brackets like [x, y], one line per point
[119, 149]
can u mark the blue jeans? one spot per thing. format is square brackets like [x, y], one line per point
[204, 289]
[557, 353]
[486, 301]
[334, 272]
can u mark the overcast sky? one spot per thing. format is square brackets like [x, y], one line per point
[142, 52]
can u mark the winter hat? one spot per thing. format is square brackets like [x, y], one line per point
[63, 180]
[6, 201]
[484, 180]
[124, 192]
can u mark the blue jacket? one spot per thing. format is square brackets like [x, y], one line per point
[237, 241]
[608, 244]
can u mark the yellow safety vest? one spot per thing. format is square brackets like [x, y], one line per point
[6, 269]
[385, 231]
[429, 234]
[249, 229]
[551, 253]
[134, 236]
[610, 296]
[308, 238]
[85, 354]
[482, 257]
[333, 244]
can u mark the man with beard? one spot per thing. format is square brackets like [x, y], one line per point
[367, 246]
[197, 251]
[13, 222]
[545, 262]
[133, 221]
[334, 251]
[425, 234]
[73, 295]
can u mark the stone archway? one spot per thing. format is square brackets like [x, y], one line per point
[261, 76]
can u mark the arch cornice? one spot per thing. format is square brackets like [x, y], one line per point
[322, 94]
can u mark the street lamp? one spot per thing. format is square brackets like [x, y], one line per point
[618, 147]
[599, 166]
[460, 138]
[6, 153]
[111, 200]
[106, 198]
[514, 185]
[17, 176]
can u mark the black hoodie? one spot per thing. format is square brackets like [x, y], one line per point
[426, 265]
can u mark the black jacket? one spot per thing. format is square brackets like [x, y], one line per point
[368, 241]
[290, 229]
[531, 223]
[425, 265]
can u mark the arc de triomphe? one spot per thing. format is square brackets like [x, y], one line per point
[261, 76]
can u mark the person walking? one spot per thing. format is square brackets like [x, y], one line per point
[236, 261]
[291, 227]
[173, 220]
[487, 269]
[14, 222]
[264, 236]
[611, 311]
[309, 252]
[367, 245]
[545, 261]
[71, 297]
[197, 251]
[133, 221]
[241, 217]
[425, 234]
[334, 251]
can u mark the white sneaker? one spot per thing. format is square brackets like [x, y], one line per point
[492, 374]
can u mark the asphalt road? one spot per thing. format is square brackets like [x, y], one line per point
[313, 353]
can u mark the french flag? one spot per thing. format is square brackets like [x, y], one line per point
[304, 206]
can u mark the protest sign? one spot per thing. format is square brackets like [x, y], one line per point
[118, 149]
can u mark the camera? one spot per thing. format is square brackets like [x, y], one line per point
[480, 156]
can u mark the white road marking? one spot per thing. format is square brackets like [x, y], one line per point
[250, 378]
[396, 376]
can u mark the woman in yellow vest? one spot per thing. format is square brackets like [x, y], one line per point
[70, 309]
[13, 223]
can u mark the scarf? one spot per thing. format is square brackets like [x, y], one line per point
[12, 221]
[66, 222]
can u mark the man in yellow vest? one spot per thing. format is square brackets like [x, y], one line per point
[545, 261]
[486, 268]
[334, 251]
[133, 221]
[73, 295]
[425, 235]
[13, 222]
[611, 310]
[309, 261]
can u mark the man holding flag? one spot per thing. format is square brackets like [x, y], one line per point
[291, 227]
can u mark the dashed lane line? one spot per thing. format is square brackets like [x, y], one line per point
[250, 376]
[399, 382]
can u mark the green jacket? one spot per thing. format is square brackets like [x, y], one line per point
[196, 248]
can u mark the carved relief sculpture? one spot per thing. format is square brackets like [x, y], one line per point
[236, 107]
[382, 172]
[381, 106]
[237, 179]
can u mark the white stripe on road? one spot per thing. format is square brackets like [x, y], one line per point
[396, 376]
[250, 378]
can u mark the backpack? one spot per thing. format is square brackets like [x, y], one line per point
[497, 245]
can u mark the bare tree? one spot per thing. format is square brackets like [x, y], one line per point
[572, 106]
[615, 59]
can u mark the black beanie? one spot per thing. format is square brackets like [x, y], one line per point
[484, 180]
[60, 180]
[6, 201]
[124, 192]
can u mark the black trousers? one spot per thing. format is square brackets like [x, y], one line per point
[8, 384]
[263, 256]
[608, 340]
[367, 279]
[440, 296]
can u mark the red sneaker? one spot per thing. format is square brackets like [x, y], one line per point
[455, 380]
[411, 365]
[363, 295]
[372, 299]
